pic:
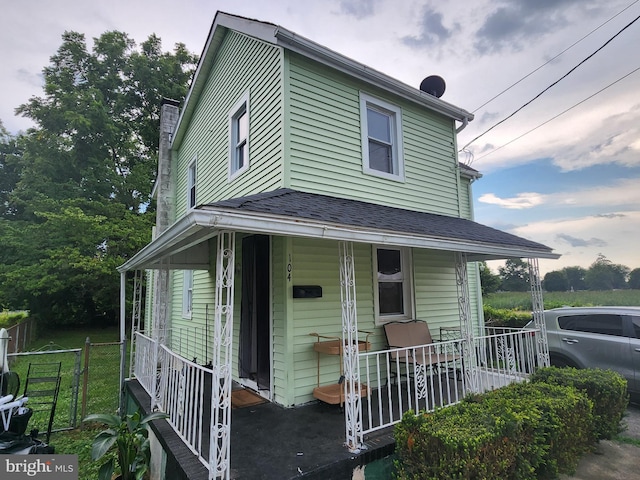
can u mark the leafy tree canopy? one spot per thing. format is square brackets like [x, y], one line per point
[76, 199]
[634, 279]
[556, 282]
[604, 275]
[515, 275]
[489, 281]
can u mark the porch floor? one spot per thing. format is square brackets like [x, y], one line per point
[270, 442]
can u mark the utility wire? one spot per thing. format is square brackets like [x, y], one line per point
[559, 114]
[553, 84]
[552, 59]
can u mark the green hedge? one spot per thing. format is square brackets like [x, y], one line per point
[500, 317]
[523, 431]
[606, 389]
[9, 319]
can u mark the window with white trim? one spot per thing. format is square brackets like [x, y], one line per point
[392, 282]
[381, 127]
[187, 293]
[239, 137]
[191, 184]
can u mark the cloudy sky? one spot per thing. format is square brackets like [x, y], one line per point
[564, 170]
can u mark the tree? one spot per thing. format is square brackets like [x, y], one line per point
[604, 275]
[515, 275]
[634, 279]
[575, 277]
[10, 166]
[489, 282]
[79, 203]
[556, 281]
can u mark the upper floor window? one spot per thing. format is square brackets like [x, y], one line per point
[239, 137]
[381, 125]
[393, 284]
[187, 294]
[191, 185]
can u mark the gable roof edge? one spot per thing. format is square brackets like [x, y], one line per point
[279, 36]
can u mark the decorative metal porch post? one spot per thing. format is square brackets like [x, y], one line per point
[466, 324]
[220, 430]
[352, 407]
[159, 329]
[537, 303]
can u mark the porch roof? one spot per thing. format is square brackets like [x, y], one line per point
[288, 212]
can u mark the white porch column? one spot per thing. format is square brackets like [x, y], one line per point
[123, 337]
[537, 304]
[466, 323]
[351, 365]
[220, 430]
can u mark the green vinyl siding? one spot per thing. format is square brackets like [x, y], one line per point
[466, 210]
[316, 262]
[436, 295]
[243, 64]
[282, 392]
[324, 151]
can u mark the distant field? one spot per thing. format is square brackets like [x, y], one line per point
[582, 298]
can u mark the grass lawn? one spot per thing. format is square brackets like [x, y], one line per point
[103, 390]
[581, 298]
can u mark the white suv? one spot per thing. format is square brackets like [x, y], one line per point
[596, 337]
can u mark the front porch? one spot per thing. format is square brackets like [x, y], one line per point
[272, 442]
[275, 443]
[263, 250]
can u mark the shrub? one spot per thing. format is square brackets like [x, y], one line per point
[501, 317]
[606, 389]
[8, 319]
[522, 431]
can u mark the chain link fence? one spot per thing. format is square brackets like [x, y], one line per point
[89, 382]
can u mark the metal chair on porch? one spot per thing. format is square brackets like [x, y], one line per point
[412, 345]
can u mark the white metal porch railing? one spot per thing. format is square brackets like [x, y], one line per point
[144, 363]
[183, 391]
[505, 355]
[432, 376]
[418, 378]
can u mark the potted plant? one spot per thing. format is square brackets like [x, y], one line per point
[130, 436]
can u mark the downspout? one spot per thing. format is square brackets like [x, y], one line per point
[465, 122]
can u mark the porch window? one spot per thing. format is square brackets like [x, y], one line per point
[187, 294]
[191, 185]
[381, 127]
[392, 282]
[239, 137]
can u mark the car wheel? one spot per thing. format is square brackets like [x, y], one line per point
[561, 362]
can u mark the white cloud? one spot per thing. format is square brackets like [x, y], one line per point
[580, 240]
[520, 201]
[624, 192]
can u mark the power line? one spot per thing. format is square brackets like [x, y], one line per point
[553, 84]
[552, 59]
[559, 114]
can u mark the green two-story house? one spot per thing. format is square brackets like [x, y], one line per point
[303, 197]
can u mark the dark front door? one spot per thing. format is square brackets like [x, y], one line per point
[254, 356]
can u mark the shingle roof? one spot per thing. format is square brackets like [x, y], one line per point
[353, 213]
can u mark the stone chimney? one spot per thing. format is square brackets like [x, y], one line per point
[169, 114]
